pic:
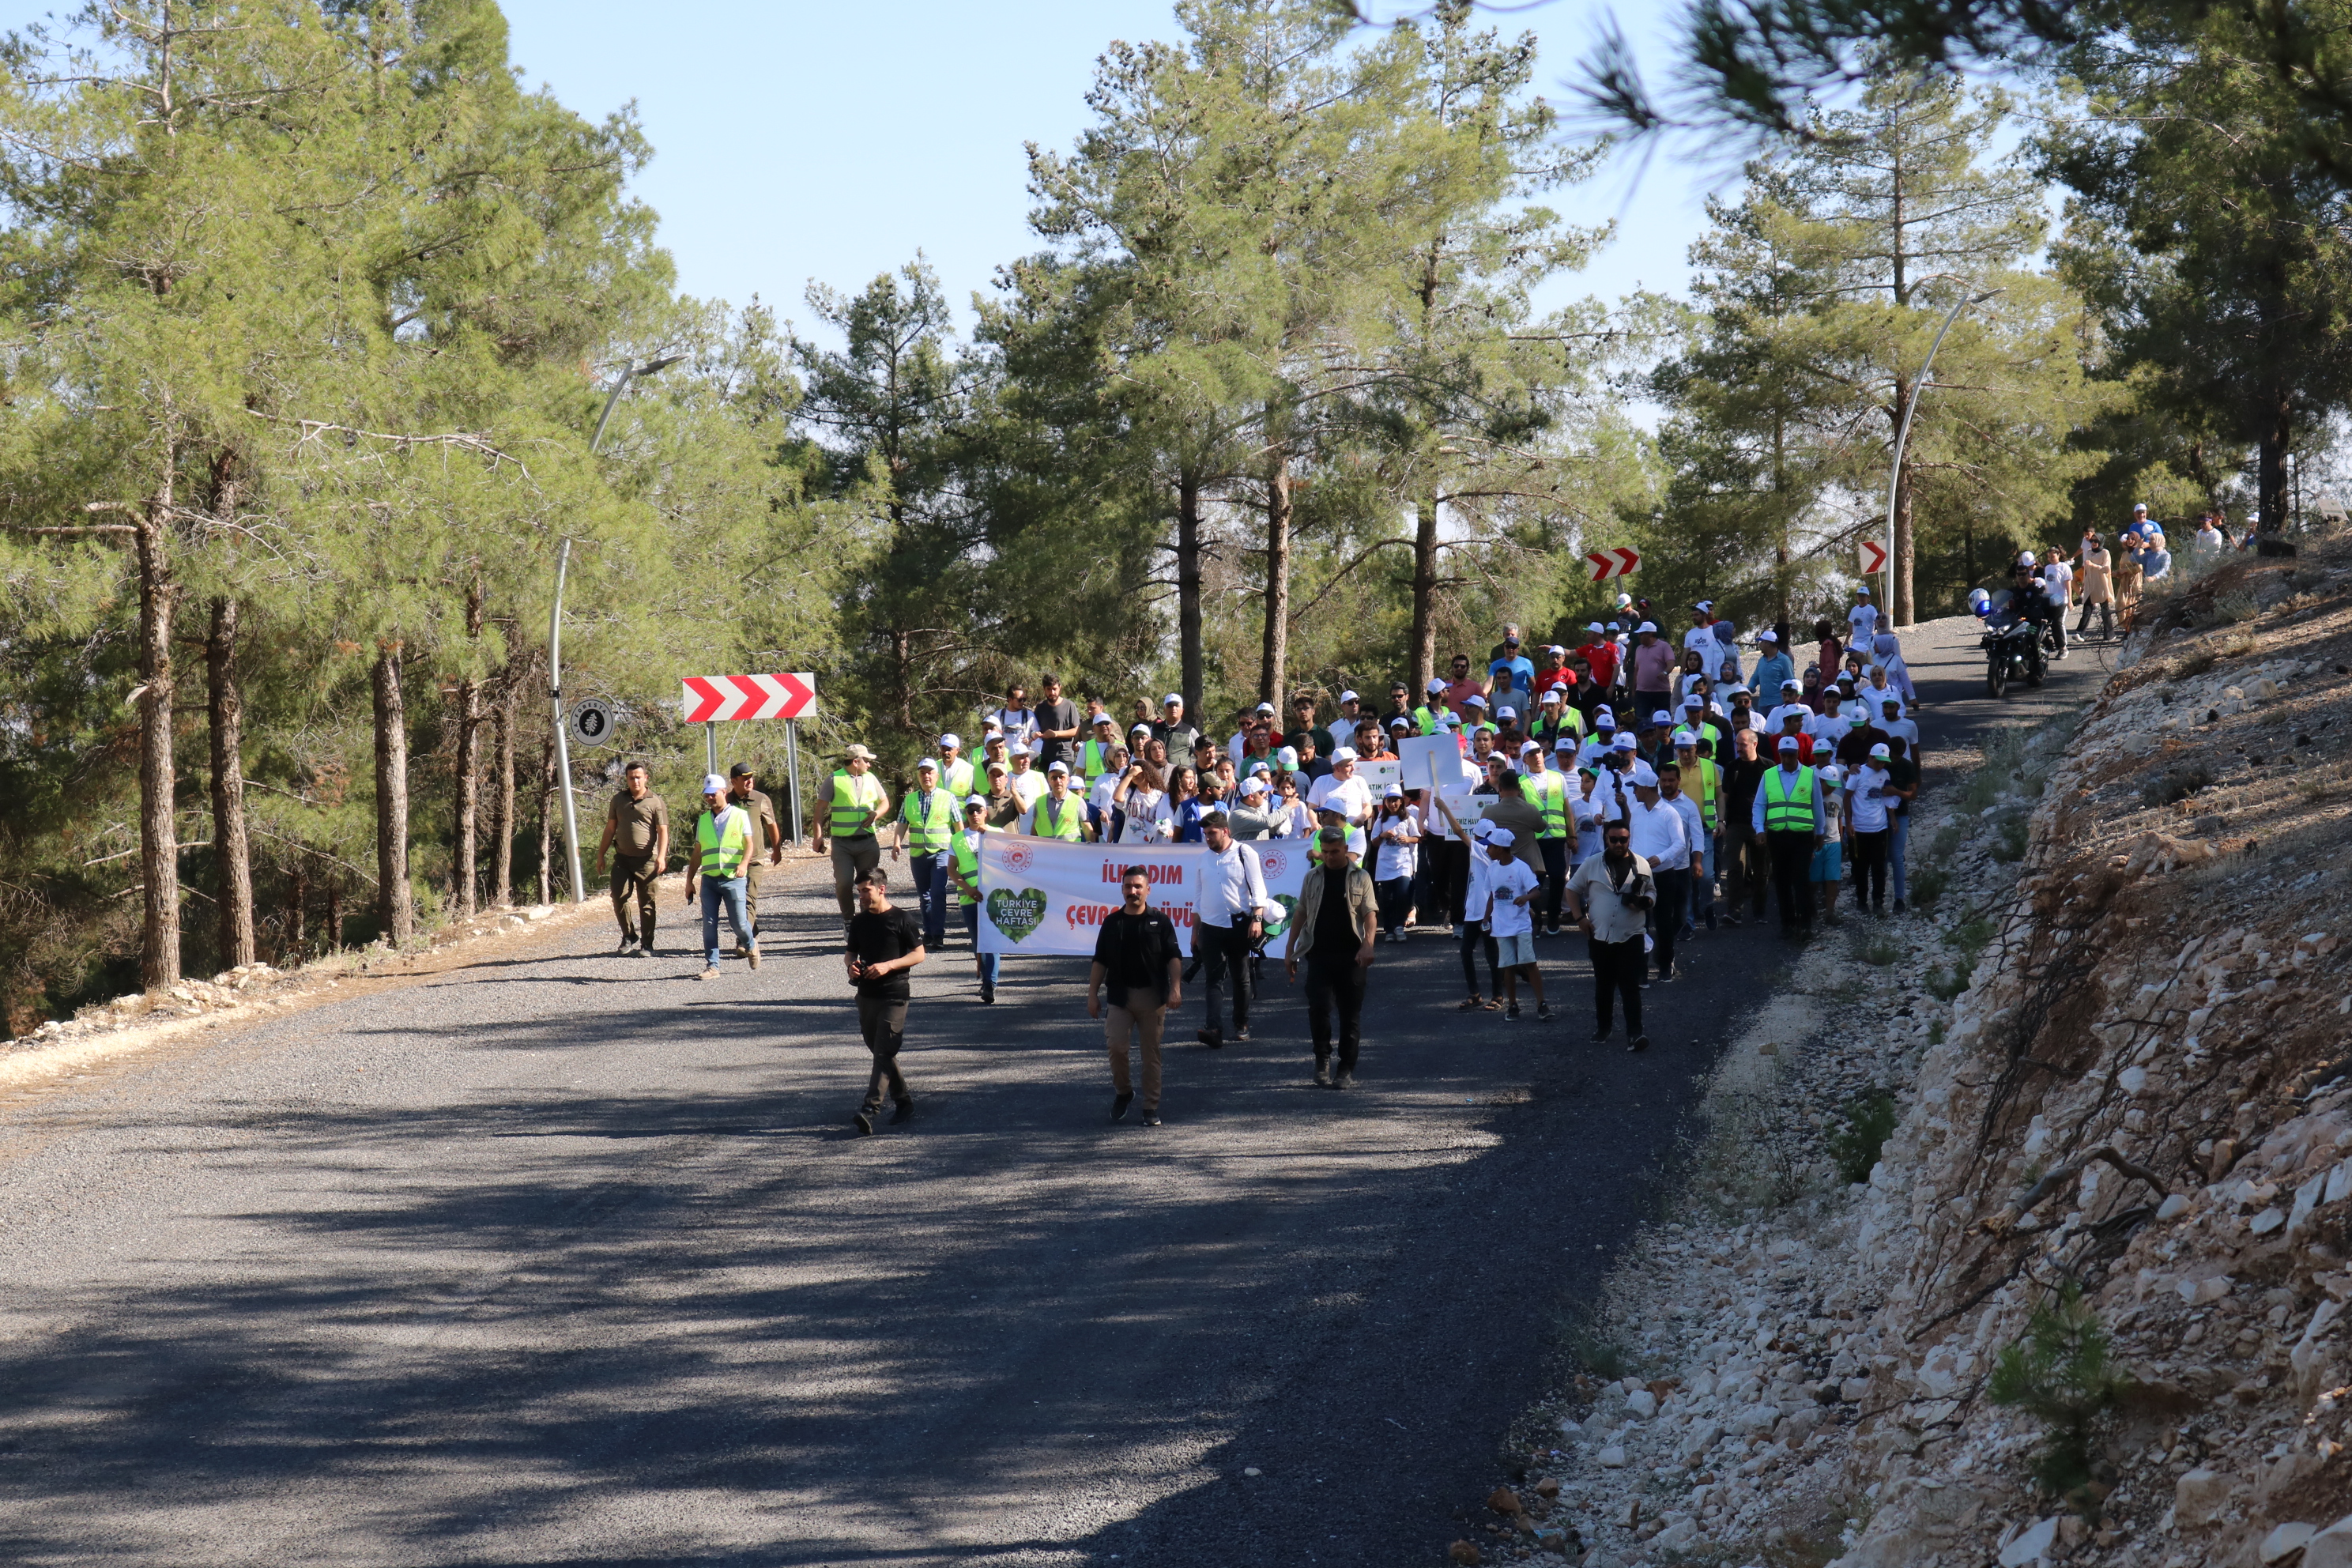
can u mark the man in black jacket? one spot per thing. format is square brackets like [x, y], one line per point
[1339, 920]
[1136, 956]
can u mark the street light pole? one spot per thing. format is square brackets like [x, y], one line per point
[555, 642]
[1903, 435]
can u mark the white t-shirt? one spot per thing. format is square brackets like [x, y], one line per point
[1864, 619]
[1353, 796]
[1146, 810]
[1098, 793]
[1505, 880]
[2061, 580]
[1829, 729]
[1474, 892]
[1391, 858]
[1865, 809]
[1020, 728]
[1026, 787]
[1701, 640]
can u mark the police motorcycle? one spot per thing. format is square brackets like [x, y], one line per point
[2012, 640]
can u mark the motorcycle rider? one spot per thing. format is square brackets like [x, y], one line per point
[2030, 595]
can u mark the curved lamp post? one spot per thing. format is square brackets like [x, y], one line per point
[555, 642]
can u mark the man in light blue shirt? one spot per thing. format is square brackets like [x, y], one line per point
[1773, 666]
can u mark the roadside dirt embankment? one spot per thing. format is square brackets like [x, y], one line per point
[2020, 1233]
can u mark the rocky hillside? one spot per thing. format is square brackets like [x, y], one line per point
[2020, 1235]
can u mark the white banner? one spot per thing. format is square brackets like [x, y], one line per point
[1381, 773]
[1043, 896]
[1437, 760]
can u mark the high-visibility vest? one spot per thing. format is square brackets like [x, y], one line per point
[930, 817]
[853, 796]
[1549, 792]
[1710, 785]
[726, 842]
[967, 864]
[1426, 720]
[959, 778]
[1064, 823]
[1788, 809]
[1092, 757]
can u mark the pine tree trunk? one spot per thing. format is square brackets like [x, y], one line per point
[1272, 667]
[1424, 596]
[396, 903]
[293, 938]
[231, 852]
[159, 841]
[469, 759]
[546, 822]
[502, 796]
[1904, 554]
[1188, 590]
[334, 911]
[2270, 489]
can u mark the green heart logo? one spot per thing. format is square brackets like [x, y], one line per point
[1017, 914]
[1289, 908]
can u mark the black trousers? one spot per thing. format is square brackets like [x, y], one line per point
[1473, 933]
[882, 1021]
[1792, 874]
[2106, 618]
[1870, 853]
[1666, 914]
[1225, 953]
[1617, 971]
[1450, 880]
[1555, 882]
[1336, 983]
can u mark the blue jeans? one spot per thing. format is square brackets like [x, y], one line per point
[1395, 896]
[730, 893]
[987, 960]
[1902, 842]
[934, 888]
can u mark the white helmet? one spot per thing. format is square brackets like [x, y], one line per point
[2025, 558]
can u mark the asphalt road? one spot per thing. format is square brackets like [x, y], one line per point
[568, 1258]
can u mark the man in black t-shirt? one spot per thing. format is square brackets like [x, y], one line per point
[1057, 726]
[1745, 871]
[1136, 957]
[884, 942]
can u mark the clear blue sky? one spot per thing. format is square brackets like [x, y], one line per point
[801, 139]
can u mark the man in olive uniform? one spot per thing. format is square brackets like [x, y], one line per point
[636, 829]
[767, 835]
[854, 804]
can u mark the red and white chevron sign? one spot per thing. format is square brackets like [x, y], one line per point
[1873, 557]
[1618, 563]
[709, 698]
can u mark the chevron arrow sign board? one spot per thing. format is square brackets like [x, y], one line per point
[710, 697]
[1618, 563]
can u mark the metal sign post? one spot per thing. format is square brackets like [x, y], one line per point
[793, 772]
[711, 748]
[562, 747]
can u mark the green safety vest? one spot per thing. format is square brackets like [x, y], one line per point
[1550, 797]
[1425, 718]
[1788, 809]
[853, 796]
[1090, 758]
[1064, 823]
[930, 818]
[724, 848]
[967, 864]
[959, 778]
[1710, 783]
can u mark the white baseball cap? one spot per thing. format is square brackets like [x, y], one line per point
[947, 741]
[1551, 694]
[1261, 769]
[1789, 743]
[1661, 718]
[1862, 593]
[1481, 830]
[1767, 635]
[1682, 738]
[1171, 698]
[1265, 707]
[1344, 754]
[1500, 837]
[1593, 626]
[1435, 685]
[713, 785]
[1881, 750]
[1474, 701]
[1535, 746]
[1057, 766]
[1603, 715]
[1347, 697]
[927, 765]
[1394, 791]
[1138, 729]
[1253, 786]
[1649, 627]
[1833, 774]
[1287, 757]
[1506, 712]
[1626, 743]
[1645, 776]
[1791, 686]
[1565, 744]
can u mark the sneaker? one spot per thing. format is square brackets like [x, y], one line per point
[753, 958]
[710, 972]
[1670, 972]
[988, 995]
[1899, 906]
[1118, 1104]
[628, 944]
[1543, 1013]
[1242, 1033]
[1347, 1079]
[1640, 1043]
[1151, 1118]
[1511, 1013]
[1600, 1037]
[1213, 1041]
[902, 1114]
[1322, 1074]
[1645, 983]
[864, 1121]
[1733, 920]
[741, 951]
